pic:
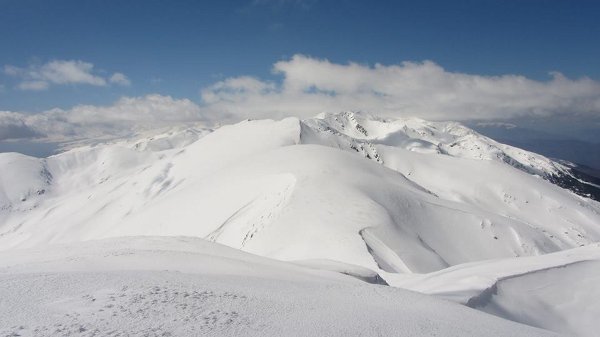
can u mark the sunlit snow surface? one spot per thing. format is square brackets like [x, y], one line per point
[433, 207]
[185, 286]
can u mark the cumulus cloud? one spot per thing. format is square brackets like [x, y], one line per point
[422, 89]
[307, 86]
[60, 72]
[124, 117]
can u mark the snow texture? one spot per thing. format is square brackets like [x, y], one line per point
[429, 206]
[159, 286]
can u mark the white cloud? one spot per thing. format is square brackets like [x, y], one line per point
[12, 126]
[421, 89]
[12, 70]
[120, 79]
[63, 72]
[124, 117]
[309, 86]
[233, 88]
[60, 72]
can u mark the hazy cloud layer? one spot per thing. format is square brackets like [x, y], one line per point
[307, 87]
[12, 126]
[60, 72]
[409, 89]
[127, 115]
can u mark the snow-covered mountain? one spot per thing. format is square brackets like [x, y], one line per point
[453, 139]
[407, 200]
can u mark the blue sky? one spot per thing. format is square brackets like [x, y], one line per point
[177, 47]
[86, 69]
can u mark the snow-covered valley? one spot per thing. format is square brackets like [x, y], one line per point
[328, 219]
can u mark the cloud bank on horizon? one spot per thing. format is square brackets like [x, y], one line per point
[308, 86]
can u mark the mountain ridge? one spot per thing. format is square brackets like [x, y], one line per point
[428, 206]
[179, 168]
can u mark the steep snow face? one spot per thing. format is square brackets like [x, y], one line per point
[187, 287]
[285, 190]
[22, 180]
[563, 299]
[558, 291]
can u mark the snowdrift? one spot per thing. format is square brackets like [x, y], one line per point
[156, 286]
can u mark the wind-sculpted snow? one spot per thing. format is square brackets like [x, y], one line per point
[149, 286]
[562, 299]
[557, 291]
[383, 201]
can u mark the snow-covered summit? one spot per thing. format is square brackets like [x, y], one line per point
[364, 133]
[415, 134]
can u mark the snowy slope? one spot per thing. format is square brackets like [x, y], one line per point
[22, 179]
[558, 291]
[256, 186]
[387, 201]
[365, 133]
[184, 286]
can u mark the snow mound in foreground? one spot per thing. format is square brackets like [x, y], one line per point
[558, 291]
[187, 286]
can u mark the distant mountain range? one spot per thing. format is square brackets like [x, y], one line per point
[581, 152]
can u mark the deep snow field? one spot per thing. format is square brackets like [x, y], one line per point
[333, 226]
[161, 286]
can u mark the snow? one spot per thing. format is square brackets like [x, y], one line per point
[157, 286]
[557, 291]
[17, 168]
[348, 198]
[542, 299]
